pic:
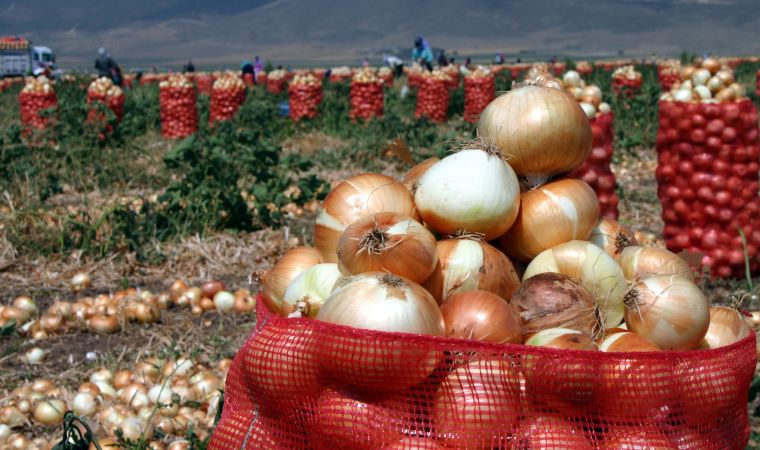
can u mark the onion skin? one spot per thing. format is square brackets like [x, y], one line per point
[275, 281]
[640, 262]
[416, 172]
[482, 316]
[627, 341]
[210, 288]
[469, 265]
[551, 433]
[543, 131]
[562, 339]
[727, 326]
[550, 215]
[613, 237]
[553, 300]
[388, 242]
[353, 199]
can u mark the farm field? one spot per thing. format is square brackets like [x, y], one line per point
[144, 218]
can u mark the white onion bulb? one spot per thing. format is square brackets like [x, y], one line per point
[308, 291]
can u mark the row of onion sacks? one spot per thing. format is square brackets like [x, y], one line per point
[179, 113]
[227, 96]
[204, 82]
[36, 100]
[304, 97]
[626, 81]
[707, 172]
[433, 96]
[479, 91]
[668, 73]
[277, 81]
[366, 95]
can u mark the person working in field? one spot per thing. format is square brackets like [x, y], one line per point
[422, 53]
[104, 64]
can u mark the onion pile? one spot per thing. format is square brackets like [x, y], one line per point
[706, 83]
[227, 95]
[304, 96]
[366, 95]
[179, 114]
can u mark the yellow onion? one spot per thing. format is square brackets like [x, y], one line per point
[309, 290]
[727, 326]
[224, 301]
[103, 324]
[594, 269]
[542, 131]
[84, 404]
[26, 303]
[34, 355]
[276, 280]
[669, 310]
[50, 411]
[466, 264]
[627, 342]
[473, 190]
[389, 242]
[20, 316]
[11, 416]
[81, 281]
[562, 339]
[415, 173]
[382, 302]
[613, 237]
[353, 199]
[640, 262]
[550, 215]
[482, 316]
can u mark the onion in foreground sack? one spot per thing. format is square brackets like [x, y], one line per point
[594, 269]
[466, 264]
[542, 131]
[562, 339]
[551, 433]
[473, 190]
[482, 316]
[640, 262]
[612, 236]
[727, 326]
[353, 199]
[415, 173]
[276, 280]
[382, 302]
[309, 290]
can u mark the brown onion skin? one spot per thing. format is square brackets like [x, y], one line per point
[628, 342]
[727, 326]
[613, 237]
[275, 280]
[482, 316]
[640, 262]
[210, 288]
[554, 300]
[416, 172]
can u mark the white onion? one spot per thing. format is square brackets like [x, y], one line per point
[700, 77]
[224, 301]
[572, 78]
[50, 411]
[703, 92]
[683, 95]
[84, 404]
[589, 109]
[35, 355]
[308, 291]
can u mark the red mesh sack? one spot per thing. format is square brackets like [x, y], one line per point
[559, 68]
[339, 78]
[32, 105]
[366, 100]
[204, 83]
[707, 177]
[113, 102]
[304, 100]
[179, 115]
[387, 77]
[414, 78]
[432, 99]
[757, 84]
[305, 384]
[262, 78]
[596, 169]
[276, 85]
[225, 103]
[248, 79]
[667, 76]
[479, 91]
[454, 76]
[627, 87]
[584, 68]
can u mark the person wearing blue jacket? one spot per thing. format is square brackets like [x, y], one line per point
[422, 53]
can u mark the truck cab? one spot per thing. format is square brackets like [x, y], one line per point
[42, 57]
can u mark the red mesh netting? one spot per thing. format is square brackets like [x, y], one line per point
[179, 115]
[225, 104]
[366, 100]
[757, 84]
[304, 100]
[479, 91]
[204, 83]
[667, 76]
[707, 176]
[276, 85]
[596, 169]
[32, 106]
[559, 68]
[114, 102]
[454, 77]
[432, 99]
[628, 87]
[305, 384]
[248, 79]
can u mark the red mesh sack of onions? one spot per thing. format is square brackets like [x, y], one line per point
[204, 82]
[453, 72]
[340, 74]
[36, 100]
[626, 81]
[248, 79]
[414, 75]
[668, 73]
[276, 81]
[104, 91]
[433, 96]
[227, 95]
[385, 336]
[262, 78]
[304, 97]
[386, 75]
[707, 171]
[479, 91]
[757, 84]
[366, 95]
[179, 114]
[584, 68]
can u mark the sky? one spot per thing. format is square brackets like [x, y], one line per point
[216, 33]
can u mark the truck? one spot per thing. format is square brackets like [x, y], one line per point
[18, 57]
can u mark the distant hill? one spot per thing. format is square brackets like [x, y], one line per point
[168, 32]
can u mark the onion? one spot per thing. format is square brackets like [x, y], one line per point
[103, 324]
[590, 266]
[20, 316]
[224, 301]
[612, 237]
[309, 290]
[726, 76]
[416, 172]
[81, 281]
[627, 342]
[389, 242]
[605, 108]
[543, 131]
[551, 433]
[133, 428]
[84, 404]
[588, 109]
[473, 190]
[727, 326]
[466, 264]
[683, 95]
[700, 77]
[210, 288]
[50, 411]
[482, 316]
[553, 300]
[640, 262]
[353, 199]
[276, 280]
[593, 91]
[669, 310]
[11, 416]
[476, 406]
[34, 355]
[26, 303]
[550, 215]
[382, 302]
[6, 431]
[635, 439]
[562, 339]
[346, 421]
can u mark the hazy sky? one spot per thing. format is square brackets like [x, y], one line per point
[218, 32]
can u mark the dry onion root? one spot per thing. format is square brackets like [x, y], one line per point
[613, 237]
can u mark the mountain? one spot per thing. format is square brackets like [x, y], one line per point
[324, 32]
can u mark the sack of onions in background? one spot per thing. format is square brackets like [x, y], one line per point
[38, 106]
[340, 74]
[626, 81]
[757, 83]
[479, 91]
[433, 96]
[707, 170]
[276, 81]
[262, 78]
[366, 95]
[668, 73]
[102, 93]
[386, 75]
[227, 95]
[304, 97]
[453, 72]
[204, 82]
[584, 68]
[348, 351]
[179, 114]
